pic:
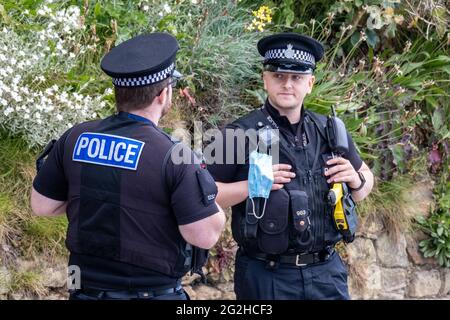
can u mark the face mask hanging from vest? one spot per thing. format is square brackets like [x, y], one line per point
[260, 174]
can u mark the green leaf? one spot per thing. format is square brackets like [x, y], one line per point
[439, 232]
[355, 38]
[372, 38]
[98, 9]
[398, 154]
[437, 119]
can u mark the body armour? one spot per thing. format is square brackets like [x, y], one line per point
[114, 213]
[298, 217]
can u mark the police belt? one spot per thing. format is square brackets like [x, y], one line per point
[298, 260]
[128, 294]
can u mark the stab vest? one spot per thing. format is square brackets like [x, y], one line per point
[297, 217]
[124, 215]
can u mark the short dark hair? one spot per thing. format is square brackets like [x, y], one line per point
[136, 98]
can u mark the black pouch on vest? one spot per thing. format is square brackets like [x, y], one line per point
[251, 222]
[273, 238]
[301, 218]
[352, 217]
[207, 185]
[300, 210]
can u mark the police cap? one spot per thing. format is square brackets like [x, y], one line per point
[290, 52]
[143, 60]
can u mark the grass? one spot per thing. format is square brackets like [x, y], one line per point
[28, 282]
[26, 234]
[395, 203]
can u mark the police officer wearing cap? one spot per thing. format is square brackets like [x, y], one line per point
[277, 259]
[137, 217]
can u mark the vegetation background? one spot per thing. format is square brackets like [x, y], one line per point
[386, 69]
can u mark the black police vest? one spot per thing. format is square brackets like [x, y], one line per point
[124, 215]
[297, 217]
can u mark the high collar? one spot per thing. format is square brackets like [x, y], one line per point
[135, 117]
[282, 121]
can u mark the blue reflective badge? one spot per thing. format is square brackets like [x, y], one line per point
[108, 150]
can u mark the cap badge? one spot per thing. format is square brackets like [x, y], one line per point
[289, 53]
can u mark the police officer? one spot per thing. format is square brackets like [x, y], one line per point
[279, 258]
[137, 217]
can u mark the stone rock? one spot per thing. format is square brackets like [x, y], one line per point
[414, 253]
[229, 296]
[393, 280]
[447, 282]
[392, 254]
[191, 293]
[371, 227]
[204, 292]
[361, 251]
[55, 296]
[55, 277]
[189, 279]
[394, 295]
[424, 283]
[226, 287]
[369, 285]
[5, 280]
[422, 193]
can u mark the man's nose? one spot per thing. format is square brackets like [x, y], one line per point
[288, 83]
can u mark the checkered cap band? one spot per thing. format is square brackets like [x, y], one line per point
[144, 80]
[299, 55]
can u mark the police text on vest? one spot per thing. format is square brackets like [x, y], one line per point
[108, 150]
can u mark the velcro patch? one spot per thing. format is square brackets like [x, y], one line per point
[108, 150]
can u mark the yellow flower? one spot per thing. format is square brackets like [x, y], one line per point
[262, 16]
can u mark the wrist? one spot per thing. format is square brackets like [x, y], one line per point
[359, 182]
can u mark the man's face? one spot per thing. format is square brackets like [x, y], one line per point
[287, 90]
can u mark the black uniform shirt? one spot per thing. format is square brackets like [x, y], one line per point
[228, 173]
[185, 198]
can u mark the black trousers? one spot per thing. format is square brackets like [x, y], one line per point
[321, 281]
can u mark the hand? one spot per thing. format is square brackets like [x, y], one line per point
[281, 175]
[343, 171]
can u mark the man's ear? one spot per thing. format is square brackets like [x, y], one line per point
[163, 96]
[311, 83]
[263, 76]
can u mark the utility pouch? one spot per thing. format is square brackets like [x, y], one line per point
[273, 237]
[299, 209]
[196, 259]
[251, 222]
[351, 216]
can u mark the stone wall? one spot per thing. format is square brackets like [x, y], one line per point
[388, 267]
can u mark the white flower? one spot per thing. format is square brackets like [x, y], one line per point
[37, 115]
[26, 116]
[3, 102]
[69, 125]
[59, 117]
[145, 8]
[166, 8]
[8, 110]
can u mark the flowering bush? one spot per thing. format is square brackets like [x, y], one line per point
[31, 104]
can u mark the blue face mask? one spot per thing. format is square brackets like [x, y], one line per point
[260, 178]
